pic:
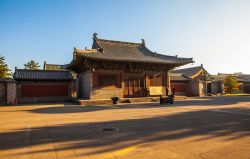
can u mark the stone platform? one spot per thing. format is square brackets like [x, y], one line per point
[122, 100]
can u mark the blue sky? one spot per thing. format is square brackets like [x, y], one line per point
[215, 33]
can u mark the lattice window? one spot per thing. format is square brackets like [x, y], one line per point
[156, 81]
[107, 80]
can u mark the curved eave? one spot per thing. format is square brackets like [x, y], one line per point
[181, 61]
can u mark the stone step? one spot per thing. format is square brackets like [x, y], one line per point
[122, 100]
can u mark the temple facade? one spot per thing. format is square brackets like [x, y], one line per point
[122, 69]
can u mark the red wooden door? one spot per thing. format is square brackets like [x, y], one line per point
[134, 86]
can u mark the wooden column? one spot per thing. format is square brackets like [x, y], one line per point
[168, 83]
[84, 85]
[164, 82]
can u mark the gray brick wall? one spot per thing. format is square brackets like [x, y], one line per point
[3, 92]
[11, 92]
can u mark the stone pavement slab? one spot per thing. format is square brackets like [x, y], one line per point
[209, 127]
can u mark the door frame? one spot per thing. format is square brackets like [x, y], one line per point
[134, 83]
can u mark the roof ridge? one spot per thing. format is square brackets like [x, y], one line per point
[38, 70]
[172, 56]
[121, 42]
[188, 68]
[53, 64]
[86, 50]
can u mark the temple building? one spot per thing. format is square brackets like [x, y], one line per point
[43, 85]
[114, 69]
[122, 69]
[196, 81]
[242, 79]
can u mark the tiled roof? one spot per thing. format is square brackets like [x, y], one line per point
[222, 77]
[110, 50]
[57, 67]
[6, 80]
[189, 72]
[24, 74]
[178, 77]
[246, 77]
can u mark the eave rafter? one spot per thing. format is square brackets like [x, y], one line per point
[80, 64]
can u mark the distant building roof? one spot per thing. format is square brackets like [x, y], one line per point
[246, 77]
[25, 74]
[53, 66]
[6, 80]
[190, 72]
[178, 77]
[223, 76]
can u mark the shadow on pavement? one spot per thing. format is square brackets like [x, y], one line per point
[206, 101]
[202, 123]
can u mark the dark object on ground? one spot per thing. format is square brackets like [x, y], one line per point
[110, 129]
[166, 100]
[125, 101]
[173, 92]
[153, 100]
[115, 100]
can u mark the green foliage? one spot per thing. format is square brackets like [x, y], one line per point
[231, 84]
[31, 65]
[4, 70]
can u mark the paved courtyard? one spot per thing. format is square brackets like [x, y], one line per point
[214, 127]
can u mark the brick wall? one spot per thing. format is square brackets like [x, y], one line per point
[3, 91]
[217, 87]
[106, 93]
[7, 91]
[11, 92]
[195, 88]
[246, 87]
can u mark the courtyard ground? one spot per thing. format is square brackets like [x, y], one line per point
[212, 127]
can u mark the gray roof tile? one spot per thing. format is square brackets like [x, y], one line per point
[128, 52]
[178, 77]
[189, 72]
[25, 74]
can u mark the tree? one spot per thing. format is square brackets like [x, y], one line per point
[31, 65]
[231, 84]
[4, 70]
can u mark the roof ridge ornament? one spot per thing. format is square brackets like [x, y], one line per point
[143, 42]
[95, 35]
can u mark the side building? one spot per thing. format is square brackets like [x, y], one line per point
[43, 85]
[193, 81]
[242, 79]
[196, 81]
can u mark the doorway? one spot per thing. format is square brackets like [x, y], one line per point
[134, 86]
[209, 88]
